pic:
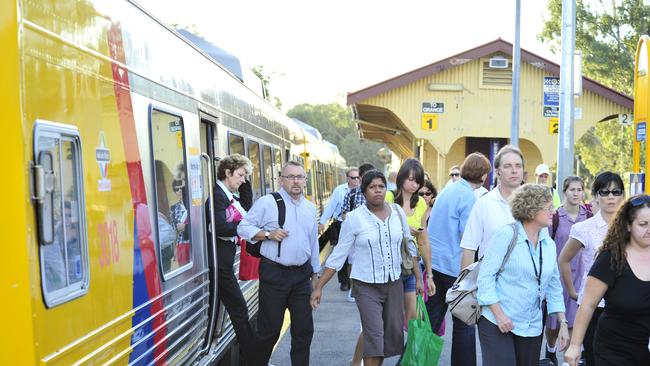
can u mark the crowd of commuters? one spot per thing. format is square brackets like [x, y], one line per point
[577, 273]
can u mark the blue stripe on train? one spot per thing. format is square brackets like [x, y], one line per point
[140, 296]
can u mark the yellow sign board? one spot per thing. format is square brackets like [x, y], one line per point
[553, 124]
[429, 121]
[641, 102]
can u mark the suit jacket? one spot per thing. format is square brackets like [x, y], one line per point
[221, 201]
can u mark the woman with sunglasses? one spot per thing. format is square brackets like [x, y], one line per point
[429, 193]
[585, 238]
[620, 275]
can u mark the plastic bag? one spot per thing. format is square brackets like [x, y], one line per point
[423, 347]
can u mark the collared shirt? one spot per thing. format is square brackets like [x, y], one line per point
[377, 257]
[516, 288]
[489, 214]
[234, 199]
[300, 221]
[335, 206]
[353, 199]
[447, 223]
[590, 233]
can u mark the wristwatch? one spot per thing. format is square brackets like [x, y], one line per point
[266, 235]
[564, 321]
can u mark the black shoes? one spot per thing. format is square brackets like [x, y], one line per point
[344, 287]
[552, 356]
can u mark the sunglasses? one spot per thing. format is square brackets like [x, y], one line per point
[639, 200]
[606, 192]
[425, 193]
[357, 177]
[454, 174]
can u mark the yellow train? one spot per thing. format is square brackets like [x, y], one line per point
[112, 123]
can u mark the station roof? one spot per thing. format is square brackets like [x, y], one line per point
[377, 123]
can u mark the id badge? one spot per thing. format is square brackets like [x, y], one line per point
[540, 299]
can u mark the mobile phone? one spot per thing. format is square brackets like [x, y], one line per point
[420, 229]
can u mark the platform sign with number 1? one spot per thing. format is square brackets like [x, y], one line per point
[429, 121]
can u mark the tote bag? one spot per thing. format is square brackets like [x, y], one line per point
[423, 347]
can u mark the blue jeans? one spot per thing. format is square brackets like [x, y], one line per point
[463, 344]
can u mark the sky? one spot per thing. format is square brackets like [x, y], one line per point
[318, 51]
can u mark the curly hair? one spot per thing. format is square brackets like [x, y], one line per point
[527, 200]
[618, 234]
[232, 163]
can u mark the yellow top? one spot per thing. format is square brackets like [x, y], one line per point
[415, 219]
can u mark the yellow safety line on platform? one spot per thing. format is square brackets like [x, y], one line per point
[327, 249]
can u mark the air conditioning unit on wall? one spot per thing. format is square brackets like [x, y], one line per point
[498, 62]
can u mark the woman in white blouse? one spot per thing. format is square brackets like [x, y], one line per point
[375, 232]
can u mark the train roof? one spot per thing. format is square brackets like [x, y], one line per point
[310, 129]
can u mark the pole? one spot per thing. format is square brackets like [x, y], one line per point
[516, 61]
[565, 137]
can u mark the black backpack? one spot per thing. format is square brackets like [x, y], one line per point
[254, 248]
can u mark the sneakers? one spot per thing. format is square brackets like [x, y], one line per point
[350, 298]
[551, 356]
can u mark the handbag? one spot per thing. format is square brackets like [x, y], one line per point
[423, 347]
[407, 258]
[461, 297]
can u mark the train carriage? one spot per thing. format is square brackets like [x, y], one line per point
[113, 126]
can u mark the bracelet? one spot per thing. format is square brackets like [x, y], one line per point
[564, 321]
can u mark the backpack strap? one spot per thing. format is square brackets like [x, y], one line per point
[589, 212]
[282, 213]
[556, 223]
[511, 246]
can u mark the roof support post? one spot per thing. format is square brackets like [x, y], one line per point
[565, 136]
[516, 65]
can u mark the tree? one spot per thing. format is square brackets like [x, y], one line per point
[607, 33]
[337, 126]
[266, 81]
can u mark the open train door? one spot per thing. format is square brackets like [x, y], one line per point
[208, 167]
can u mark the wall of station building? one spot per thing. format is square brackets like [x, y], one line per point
[484, 112]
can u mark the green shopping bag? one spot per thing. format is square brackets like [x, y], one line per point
[423, 347]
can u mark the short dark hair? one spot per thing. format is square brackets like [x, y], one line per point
[369, 177]
[475, 166]
[604, 179]
[365, 167]
[431, 187]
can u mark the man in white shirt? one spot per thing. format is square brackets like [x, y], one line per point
[491, 211]
[334, 210]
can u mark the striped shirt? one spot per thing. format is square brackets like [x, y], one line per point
[377, 257]
[516, 288]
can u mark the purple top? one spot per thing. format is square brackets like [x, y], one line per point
[565, 223]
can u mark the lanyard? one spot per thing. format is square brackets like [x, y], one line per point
[538, 275]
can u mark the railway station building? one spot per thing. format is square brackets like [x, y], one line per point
[443, 111]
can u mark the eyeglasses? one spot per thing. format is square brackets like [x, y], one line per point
[639, 200]
[293, 177]
[605, 192]
[454, 174]
[357, 177]
[425, 194]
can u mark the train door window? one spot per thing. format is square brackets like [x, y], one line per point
[268, 170]
[235, 144]
[58, 190]
[172, 221]
[278, 161]
[254, 156]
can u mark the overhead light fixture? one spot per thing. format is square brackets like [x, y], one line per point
[445, 87]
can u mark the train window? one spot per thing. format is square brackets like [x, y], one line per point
[268, 170]
[235, 144]
[278, 162]
[254, 156]
[171, 191]
[58, 182]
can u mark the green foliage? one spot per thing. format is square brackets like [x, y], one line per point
[337, 126]
[607, 33]
[266, 80]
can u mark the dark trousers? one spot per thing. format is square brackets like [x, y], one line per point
[284, 288]
[231, 296]
[463, 344]
[333, 235]
[588, 341]
[507, 349]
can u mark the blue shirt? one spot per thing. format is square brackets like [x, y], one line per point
[447, 222]
[300, 221]
[334, 207]
[516, 288]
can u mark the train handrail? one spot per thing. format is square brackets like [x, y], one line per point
[213, 260]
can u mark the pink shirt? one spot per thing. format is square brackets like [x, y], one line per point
[590, 233]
